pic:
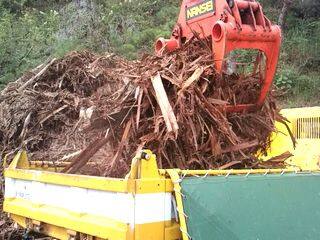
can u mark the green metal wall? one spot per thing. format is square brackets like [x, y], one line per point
[255, 207]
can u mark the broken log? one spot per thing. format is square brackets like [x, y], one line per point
[163, 101]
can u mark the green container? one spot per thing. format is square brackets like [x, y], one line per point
[254, 207]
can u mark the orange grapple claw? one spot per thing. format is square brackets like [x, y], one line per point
[232, 25]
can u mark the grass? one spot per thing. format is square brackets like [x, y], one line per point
[305, 92]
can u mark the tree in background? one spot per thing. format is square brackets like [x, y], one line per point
[32, 31]
[284, 11]
[26, 39]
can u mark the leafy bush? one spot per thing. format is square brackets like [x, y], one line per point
[286, 78]
[30, 32]
[136, 24]
[25, 41]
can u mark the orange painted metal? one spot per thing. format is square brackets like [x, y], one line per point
[232, 25]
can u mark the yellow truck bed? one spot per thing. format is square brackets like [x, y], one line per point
[149, 203]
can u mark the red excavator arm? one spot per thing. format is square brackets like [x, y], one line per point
[231, 24]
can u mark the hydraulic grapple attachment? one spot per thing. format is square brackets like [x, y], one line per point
[231, 25]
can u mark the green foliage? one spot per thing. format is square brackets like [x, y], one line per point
[130, 27]
[33, 30]
[299, 62]
[301, 88]
[301, 45]
[18, 6]
[306, 8]
[25, 41]
[286, 78]
[298, 71]
[303, 91]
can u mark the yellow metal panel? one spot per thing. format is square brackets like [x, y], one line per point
[177, 189]
[84, 223]
[144, 165]
[305, 126]
[149, 167]
[97, 183]
[169, 185]
[20, 169]
[158, 231]
[281, 141]
[154, 185]
[307, 112]
[150, 231]
[47, 229]
[150, 185]
[145, 173]
[306, 155]
[172, 232]
[50, 230]
[239, 171]
[20, 160]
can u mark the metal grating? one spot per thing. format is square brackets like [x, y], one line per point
[307, 128]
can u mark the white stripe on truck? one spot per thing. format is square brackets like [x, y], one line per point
[123, 207]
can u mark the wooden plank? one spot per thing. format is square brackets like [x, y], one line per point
[163, 101]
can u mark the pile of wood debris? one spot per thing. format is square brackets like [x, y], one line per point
[104, 109]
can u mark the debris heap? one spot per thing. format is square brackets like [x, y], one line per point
[91, 114]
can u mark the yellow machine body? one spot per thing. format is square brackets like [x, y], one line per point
[305, 126]
[73, 206]
[146, 205]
